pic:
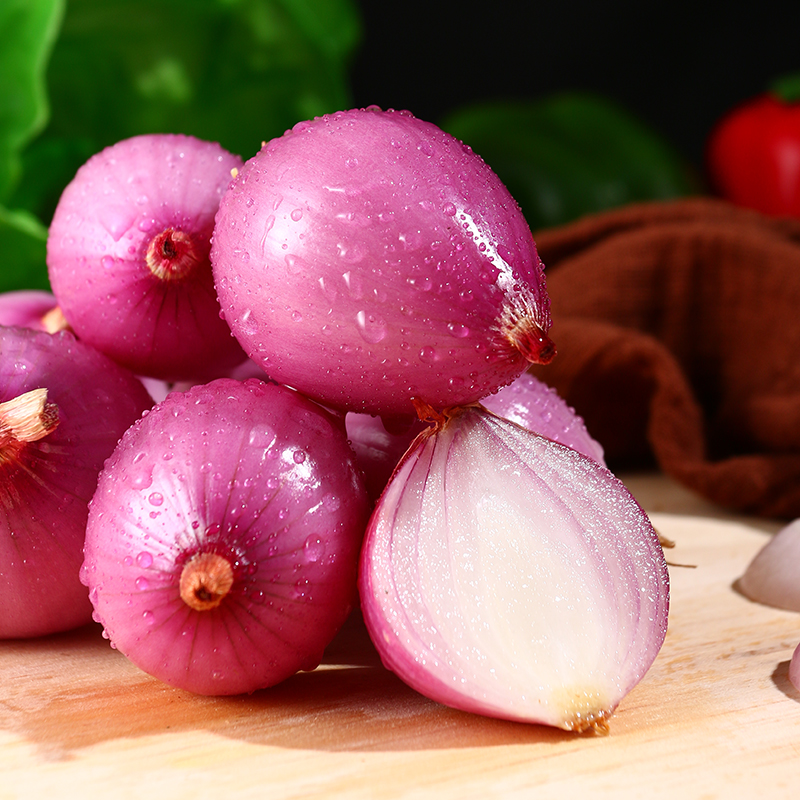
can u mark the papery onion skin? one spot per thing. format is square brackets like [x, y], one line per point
[508, 575]
[367, 258]
[120, 205]
[46, 484]
[771, 577]
[253, 473]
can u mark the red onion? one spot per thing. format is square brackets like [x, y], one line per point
[128, 261]
[32, 309]
[527, 401]
[63, 407]
[222, 543]
[367, 258]
[505, 574]
[771, 577]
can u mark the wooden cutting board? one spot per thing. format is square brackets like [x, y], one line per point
[715, 717]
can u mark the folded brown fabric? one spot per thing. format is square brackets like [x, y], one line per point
[678, 333]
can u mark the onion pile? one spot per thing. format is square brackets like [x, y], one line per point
[388, 292]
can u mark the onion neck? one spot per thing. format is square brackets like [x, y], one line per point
[172, 255]
[25, 418]
[205, 581]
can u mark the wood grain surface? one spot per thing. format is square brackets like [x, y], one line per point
[715, 717]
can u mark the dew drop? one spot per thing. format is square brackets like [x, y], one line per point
[144, 560]
[156, 498]
[314, 548]
[107, 262]
[298, 456]
[297, 214]
[149, 618]
[142, 584]
[372, 328]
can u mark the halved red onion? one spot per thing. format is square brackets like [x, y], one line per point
[367, 258]
[222, 542]
[128, 256]
[63, 407]
[508, 575]
[771, 577]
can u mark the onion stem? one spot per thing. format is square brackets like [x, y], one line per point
[172, 255]
[25, 418]
[205, 580]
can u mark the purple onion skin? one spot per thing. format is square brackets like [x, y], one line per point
[257, 474]
[527, 401]
[367, 258]
[45, 487]
[158, 324]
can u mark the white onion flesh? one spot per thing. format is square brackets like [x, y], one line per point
[508, 575]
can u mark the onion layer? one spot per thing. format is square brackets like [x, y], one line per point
[223, 539]
[506, 574]
[367, 258]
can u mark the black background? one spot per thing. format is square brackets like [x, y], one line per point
[678, 66]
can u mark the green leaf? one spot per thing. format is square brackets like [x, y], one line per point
[23, 244]
[571, 154]
[238, 72]
[27, 31]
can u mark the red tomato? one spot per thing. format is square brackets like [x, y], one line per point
[753, 155]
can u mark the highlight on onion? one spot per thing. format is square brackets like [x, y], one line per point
[222, 542]
[63, 407]
[367, 258]
[128, 256]
[506, 574]
[527, 401]
[771, 577]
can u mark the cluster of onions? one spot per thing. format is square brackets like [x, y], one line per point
[382, 277]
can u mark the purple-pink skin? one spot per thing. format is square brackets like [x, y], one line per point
[367, 258]
[127, 255]
[46, 483]
[258, 478]
[527, 401]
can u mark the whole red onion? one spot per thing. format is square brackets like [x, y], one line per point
[367, 258]
[127, 254]
[63, 407]
[223, 539]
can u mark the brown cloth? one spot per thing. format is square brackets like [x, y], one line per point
[677, 326]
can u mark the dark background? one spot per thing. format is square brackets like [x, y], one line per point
[678, 66]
